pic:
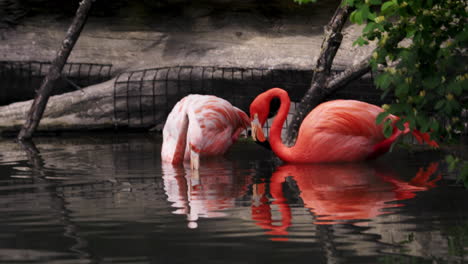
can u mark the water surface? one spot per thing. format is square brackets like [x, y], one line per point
[107, 198]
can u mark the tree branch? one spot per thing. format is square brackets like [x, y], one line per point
[40, 101]
[316, 93]
[352, 73]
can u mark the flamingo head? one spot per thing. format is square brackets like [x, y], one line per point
[257, 129]
[259, 111]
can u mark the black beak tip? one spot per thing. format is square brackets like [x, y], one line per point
[265, 144]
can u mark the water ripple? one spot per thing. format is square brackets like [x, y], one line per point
[108, 199]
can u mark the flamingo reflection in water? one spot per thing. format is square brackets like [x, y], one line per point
[337, 192]
[215, 189]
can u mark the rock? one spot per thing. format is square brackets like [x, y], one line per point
[275, 34]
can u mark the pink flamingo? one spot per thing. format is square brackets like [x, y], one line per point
[335, 131]
[201, 125]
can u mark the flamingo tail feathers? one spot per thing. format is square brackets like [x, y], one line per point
[385, 145]
[421, 137]
[424, 138]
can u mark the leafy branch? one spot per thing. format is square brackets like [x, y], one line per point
[421, 59]
[426, 72]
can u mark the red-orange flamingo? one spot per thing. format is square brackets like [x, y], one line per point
[335, 131]
[338, 192]
[201, 125]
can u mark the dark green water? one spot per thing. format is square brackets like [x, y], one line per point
[107, 199]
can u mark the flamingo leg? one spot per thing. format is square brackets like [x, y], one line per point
[194, 159]
[258, 191]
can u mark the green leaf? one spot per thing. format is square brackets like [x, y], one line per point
[349, 2]
[410, 31]
[424, 124]
[411, 122]
[447, 108]
[398, 107]
[431, 82]
[400, 124]
[380, 27]
[356, 17]
[439, 104]
[407, 55]
[464, 174]
[451, 162]
[455, 87]
[387, 5]
[360, 41]
[381, 117]
[370, 27]
[454, 104]
[383, 80]
[365, 12]
[402, 90]
[371, 16]
[457, 90]
[435, 125]
[462, 36]
[388, 129]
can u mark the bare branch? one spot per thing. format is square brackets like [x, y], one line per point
[330, 45]
[350, 74]
[40, 101]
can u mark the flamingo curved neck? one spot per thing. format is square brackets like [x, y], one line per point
[281, 150]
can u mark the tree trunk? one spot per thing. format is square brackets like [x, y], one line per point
[40, 101]
[317, 91]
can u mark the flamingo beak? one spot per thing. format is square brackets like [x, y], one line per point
[257, 130]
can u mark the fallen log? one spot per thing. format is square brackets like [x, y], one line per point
[89, 108]
[143, 98]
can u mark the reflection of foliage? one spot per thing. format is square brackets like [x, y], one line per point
[402, 243]
[392, 259]
[457, 239]
[427, 71]
[409, 239]
[457, 242]
[460, 166]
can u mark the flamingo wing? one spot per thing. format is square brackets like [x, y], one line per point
[340, 130]
[214, 124]
[244, 123]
